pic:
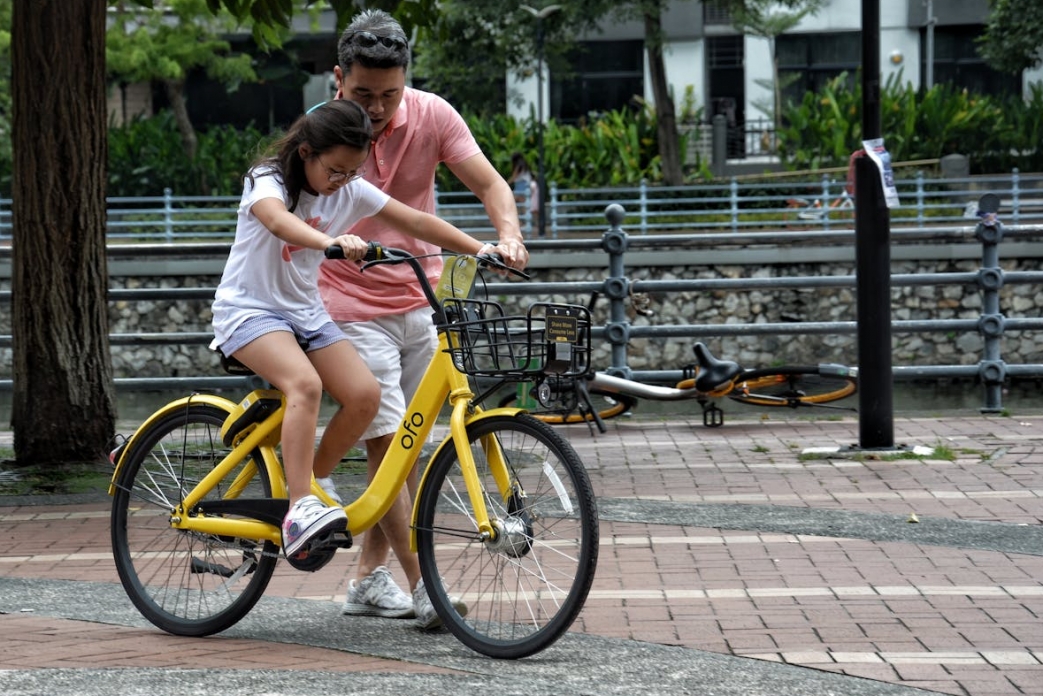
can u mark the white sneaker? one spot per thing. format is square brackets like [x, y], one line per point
[427, 618]
[327, 484]
[378, 595]
[308, 519]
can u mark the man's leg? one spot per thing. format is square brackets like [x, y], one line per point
[397, 350]
[392, 533]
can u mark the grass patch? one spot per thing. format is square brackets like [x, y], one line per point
[939, 451]
[62, 479]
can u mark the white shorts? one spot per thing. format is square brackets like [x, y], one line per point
[397, 350]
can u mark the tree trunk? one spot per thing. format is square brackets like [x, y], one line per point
[666, 117]
[63, 402]
[176, 95]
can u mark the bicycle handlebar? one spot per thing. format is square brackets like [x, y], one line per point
[377, 253]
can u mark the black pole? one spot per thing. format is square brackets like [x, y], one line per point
[541, 179]
[873, 259]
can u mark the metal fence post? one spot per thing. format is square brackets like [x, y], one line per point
[826, 207]
[616, 287]
[552, 203]
[643, 203]
[919, 199]
[168, 214]
[991, 370]
[1015, 181]
[734, 194]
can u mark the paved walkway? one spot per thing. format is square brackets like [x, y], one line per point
[732, 563]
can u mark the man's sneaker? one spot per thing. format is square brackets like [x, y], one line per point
[308, 519]
[378, 595]
[426, 617]
[327, 484]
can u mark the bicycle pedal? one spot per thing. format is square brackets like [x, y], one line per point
[713, 417]
[342, 539]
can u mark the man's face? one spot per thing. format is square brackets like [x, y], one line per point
[378, 90]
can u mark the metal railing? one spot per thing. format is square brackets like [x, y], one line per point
[735, 205]
[991, 369]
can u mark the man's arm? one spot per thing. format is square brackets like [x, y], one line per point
[479, 175]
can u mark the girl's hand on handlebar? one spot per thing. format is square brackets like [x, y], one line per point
[354, 248]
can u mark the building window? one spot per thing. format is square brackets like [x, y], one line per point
[957, 62]
[605, 76]
[812, 60]
[715, 12]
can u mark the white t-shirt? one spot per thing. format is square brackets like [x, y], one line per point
[264, 275]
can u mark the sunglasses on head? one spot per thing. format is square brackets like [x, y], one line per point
[368, 39]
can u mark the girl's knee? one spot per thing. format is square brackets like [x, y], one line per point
[304, 388]
[370, 396]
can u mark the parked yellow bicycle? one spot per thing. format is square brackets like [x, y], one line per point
[505, 516]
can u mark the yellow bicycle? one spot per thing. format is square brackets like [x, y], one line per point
[505, 516]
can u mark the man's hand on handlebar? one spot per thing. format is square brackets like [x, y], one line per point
[513, 253]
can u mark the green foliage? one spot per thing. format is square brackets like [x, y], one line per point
[995, 133]
[1013, 35]
[166, 45]
[618, 148]
[146, 156]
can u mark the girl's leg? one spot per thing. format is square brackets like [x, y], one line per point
[350, 383]
[277, 358]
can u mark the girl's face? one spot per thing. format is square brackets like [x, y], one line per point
[328, 171]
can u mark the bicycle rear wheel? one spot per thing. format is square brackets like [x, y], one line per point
[803, 385]
[185, 583]
[526, 587]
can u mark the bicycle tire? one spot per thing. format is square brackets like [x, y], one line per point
[606, 404]
[185, 583]
[801, 385]
[524, 589]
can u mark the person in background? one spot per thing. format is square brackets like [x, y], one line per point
[526, 188]
[383, 311]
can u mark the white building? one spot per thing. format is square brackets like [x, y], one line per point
[731, 74]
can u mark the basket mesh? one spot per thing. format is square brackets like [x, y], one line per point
[549, 339]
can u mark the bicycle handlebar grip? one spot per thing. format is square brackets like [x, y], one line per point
[374, 252]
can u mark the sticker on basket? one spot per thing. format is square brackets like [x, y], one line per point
[562, 325]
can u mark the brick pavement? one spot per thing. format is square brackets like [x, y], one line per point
[761, 580]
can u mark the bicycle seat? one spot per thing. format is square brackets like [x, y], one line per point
[713, 373]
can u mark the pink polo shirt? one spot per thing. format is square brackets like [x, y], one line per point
[424, 131]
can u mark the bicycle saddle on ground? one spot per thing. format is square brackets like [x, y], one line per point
[713, 373]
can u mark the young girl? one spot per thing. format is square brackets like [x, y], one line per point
[268, 313]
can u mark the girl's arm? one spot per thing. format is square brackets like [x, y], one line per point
[272, 213]
[427, 227]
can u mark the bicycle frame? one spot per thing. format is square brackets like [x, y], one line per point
[441, 381]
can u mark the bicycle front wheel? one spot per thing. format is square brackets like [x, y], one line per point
[803, 385]
[524, 588]
[186, 583]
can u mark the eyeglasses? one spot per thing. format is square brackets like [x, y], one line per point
[336, 177]
[368, 39]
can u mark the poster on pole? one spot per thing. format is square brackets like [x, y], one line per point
[882, 158]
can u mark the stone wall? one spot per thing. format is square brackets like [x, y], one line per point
[714, 307]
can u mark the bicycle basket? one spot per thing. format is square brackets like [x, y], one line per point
[549, 339]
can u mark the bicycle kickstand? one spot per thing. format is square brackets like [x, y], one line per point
[713, 417]
[586, 406]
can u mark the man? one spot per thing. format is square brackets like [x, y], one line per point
[383, 311]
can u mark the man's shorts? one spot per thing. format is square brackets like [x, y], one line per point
[257, 326]
[397, 349]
